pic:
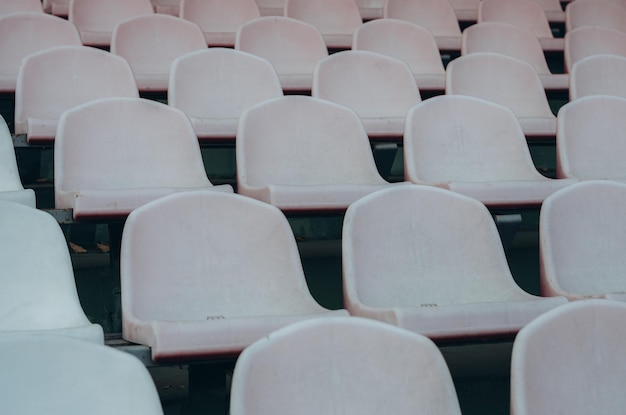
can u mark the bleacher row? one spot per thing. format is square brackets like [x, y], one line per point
[306, 141]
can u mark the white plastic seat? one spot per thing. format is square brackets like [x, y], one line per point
[592, 40]
[22, 34]
[595, 13]
[150, 43]
[439, 268]
[476, 148]
[170, 7]
[8, 7]
[335, 19]
[514, 41]
[590, 138]
[377, 367]
[11, 188]
[113, 155]
[37, 289]
[380, 89]
[304, 154]
[56, 375]
[96, 19]
[214, 86]
[506, 81]
[56, 79]
[524, 13]
[437, 16]
[57, 7]
[219, 19]
[292, 46]
[598, 75]
[407, 42]
[271, 7]
[570, 361]
[228, 274]
[581, 240]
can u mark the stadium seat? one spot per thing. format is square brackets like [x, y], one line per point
[375, 366]
[150, 43]
[56, 79]
[17, 6]
[96, 19]
[595, 13]
[301, 153]
[438, 16]
[171, 7]
[598, 75]
[292, 46]
[271, 7]
[214, 86]
[431, 261]
[56, 375]
[219, 19]
[113, 155]
[590, 139]
[407, 42]
[524, 13]
[581, 240]
[22, 34]
[592, 40]
[506, 81]
[57, 7]
[514, 41]
[476, 148]
[370, 9]
[11, 188]
[227, 274]
[380, 89]
[570, 361]
[37, 289]
[335, 19]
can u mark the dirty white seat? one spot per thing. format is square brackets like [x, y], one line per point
[595, 13]
[592, 40]
[335, 19]
[506, 81]
[219, 19]
[214, 86]
[150, 43]
[8, 7]
[437, 16]
[465, 10]
[570, 361]
[377, 367]
[57, 7]
[439, 267]
[380, 89]
[96, 19]
[581, 240]
[171, 7]
[115, 154]
[57, 375]
[524, 13]
[56, 79]
[38, 295]
[598, 75]
[227, 274]
[11, 188]
[476, 148]
[304, 154]
[412, 44]
[514, 41]
[22, 34]
[590, 139]
[292, 46]
[271, 7]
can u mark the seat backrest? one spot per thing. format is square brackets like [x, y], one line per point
[150, 43]
[506, 39]
[401, 40]
[592, 40]
[598, 75]
[566, 360]
[22, 34]
[437, 16]
[9, 173]
[594, 13]
[391, 380]
[72, 377]
[54, 80]
[590, 138]
[435, 260]
[581, 238]
[8, 7]
[501, 79]
[329, 16]
[461, 138]
[524, 13]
